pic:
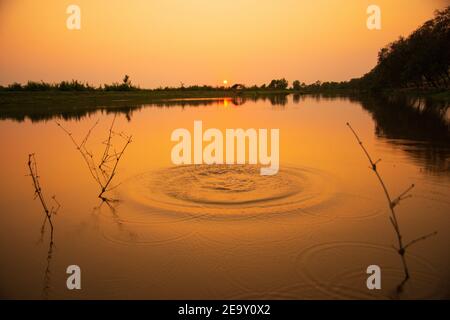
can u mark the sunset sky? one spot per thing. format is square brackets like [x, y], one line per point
[165, 42]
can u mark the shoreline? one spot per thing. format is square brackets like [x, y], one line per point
[27, 99]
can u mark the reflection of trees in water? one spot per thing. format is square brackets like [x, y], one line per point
[278, 100]
[38, 112]
[409, 118]
[417, 126]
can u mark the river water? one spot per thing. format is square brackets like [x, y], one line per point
[225, 231]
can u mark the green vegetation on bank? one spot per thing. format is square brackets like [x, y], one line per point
[421, 61]
[52, 98]
[417, 65]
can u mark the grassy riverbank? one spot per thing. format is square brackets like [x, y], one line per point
[27, 99]
[50, 99]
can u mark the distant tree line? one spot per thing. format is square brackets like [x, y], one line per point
[126, 85]
[422, 60]
[73, 85]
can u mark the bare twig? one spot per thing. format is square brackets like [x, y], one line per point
[420, 239]
[32, 165]
[392, 204]
[47, 273]
[104, 171]
[81, 147]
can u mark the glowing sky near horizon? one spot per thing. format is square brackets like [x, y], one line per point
[166, 42]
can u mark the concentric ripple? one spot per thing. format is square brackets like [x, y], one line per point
[231, 190]
[338, 270]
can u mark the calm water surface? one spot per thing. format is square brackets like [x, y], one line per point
[208, 232]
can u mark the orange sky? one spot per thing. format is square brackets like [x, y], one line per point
[165, 42]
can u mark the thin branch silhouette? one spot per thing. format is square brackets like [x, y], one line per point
[47, 273]
[104, 170]
[393, 203]
[32, 166]
[420, 239]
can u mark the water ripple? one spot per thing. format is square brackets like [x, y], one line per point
[231, 191]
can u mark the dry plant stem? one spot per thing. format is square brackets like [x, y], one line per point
[32, 165]
[107, 144]
[47, 273]
[113, 172]
[103, 172]
[83, 151]
[392, 204]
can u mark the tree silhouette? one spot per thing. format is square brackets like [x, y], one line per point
[421, 60]
[280, 84]
[296, 85]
